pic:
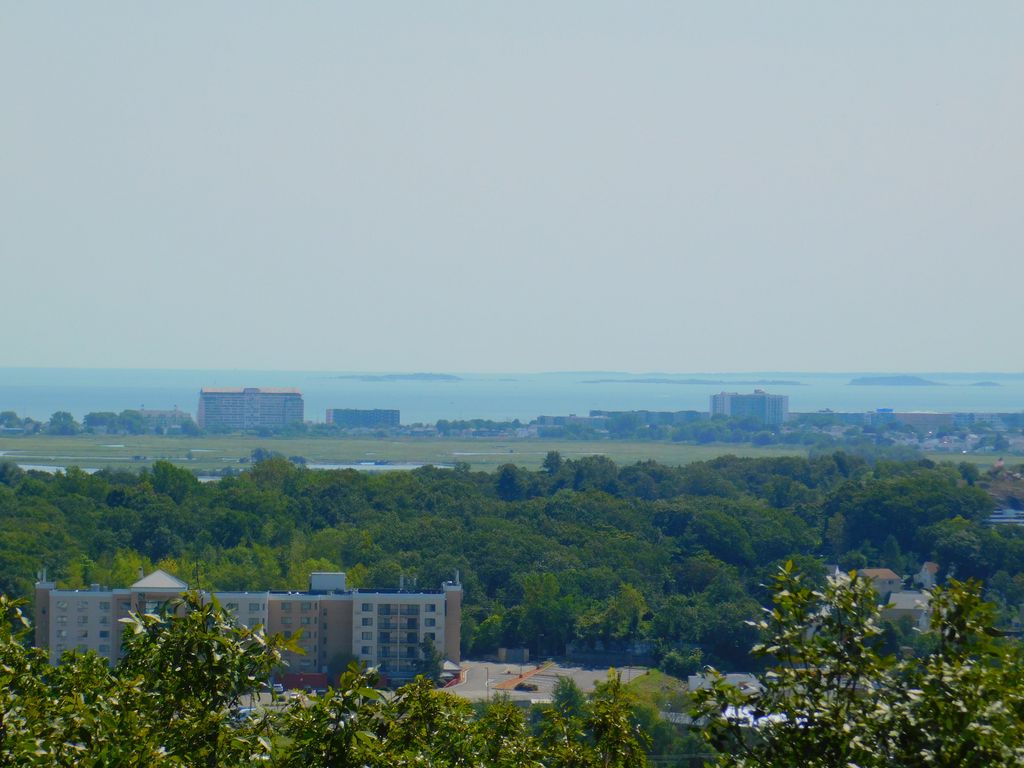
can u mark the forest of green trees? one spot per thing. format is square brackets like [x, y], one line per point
[582, 554]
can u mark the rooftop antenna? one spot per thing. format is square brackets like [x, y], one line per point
[457, 576]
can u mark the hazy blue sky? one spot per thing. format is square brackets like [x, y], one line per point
[512, 186]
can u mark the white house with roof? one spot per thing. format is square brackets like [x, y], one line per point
[914, 605]
[928, 576]
[884, 580]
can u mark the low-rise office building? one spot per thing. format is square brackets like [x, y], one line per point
[385, 628]
[364, 418]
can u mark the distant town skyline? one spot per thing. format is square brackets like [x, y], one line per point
[583, 186]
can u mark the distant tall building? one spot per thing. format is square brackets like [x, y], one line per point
[248, 407]
[353, 418]
[770, 410]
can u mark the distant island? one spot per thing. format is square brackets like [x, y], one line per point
[894, 381]
[400, 377]
[699, 382]
[986, 384]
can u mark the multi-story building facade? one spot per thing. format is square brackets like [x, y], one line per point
[356, 418]
[237, 408]
[770, 410]
[385, 628]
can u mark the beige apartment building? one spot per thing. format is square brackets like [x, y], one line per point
[237, 408]
[384, 628]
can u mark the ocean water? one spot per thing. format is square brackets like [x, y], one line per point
[38, 392]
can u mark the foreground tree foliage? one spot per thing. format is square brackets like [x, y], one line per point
[173, 700]
[168, 701]
[831, 699]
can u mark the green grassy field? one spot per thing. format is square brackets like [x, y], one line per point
[662, 690]
[219, 451]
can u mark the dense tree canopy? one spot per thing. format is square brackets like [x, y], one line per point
[582, 553]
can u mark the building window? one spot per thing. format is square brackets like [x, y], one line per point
[430, 608]
[286, 620]
[306, 607]
[83, 634]
[286, 607]
[429, 636]
[104, 633]
[104, 619]
[365, 650]
[367, 621]
[367, 607]
[104, 648]
[62, 633]
[367, 636]
[104, 605]
[307, 620]
[255, 607]
[385, 637]
[233, 607]
[429, 622]
[62, 605]
[83, 619]
[83, 605]
[62, 620]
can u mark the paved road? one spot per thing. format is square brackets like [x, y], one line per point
[480, 678]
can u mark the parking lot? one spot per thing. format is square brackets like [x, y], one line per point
[481, 679]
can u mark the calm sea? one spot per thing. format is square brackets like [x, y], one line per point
[38, 392]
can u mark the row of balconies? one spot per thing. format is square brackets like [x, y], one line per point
[398, 610]
[393, 624]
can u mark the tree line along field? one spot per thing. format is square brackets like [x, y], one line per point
[216, 452]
